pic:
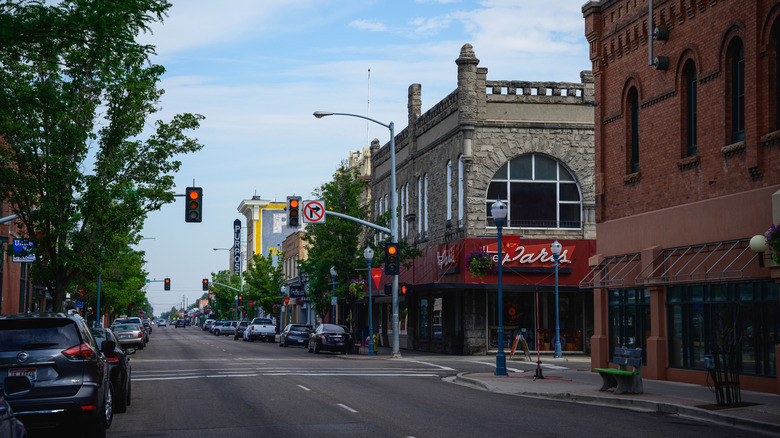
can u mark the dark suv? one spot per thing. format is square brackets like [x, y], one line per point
[53, 372]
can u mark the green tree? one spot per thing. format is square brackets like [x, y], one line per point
[223, 301]
[265, 282]
[337, 243]
[76, 90]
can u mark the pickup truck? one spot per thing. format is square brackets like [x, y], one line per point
[261, 328]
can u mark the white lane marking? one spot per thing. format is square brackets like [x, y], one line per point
[493, 364]
[146, 379]
[304, 388]
[347, 408]
[442, 367]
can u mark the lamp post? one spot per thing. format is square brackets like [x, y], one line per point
[498, 211]
[393, 208]
[555, 248]
[333, 299]
[368, 253]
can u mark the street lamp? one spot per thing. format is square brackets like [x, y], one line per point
[333, 299]
[393, 209]
[498, 211]
[368, 253]
[555, 248]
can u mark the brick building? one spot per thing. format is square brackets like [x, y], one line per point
[687, 171]
[529, 144]
[17, 293]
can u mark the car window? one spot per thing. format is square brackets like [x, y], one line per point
[126, 327]
[333, 328]
[18, 335]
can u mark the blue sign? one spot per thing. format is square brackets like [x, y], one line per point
[21, 246]
[79, 304]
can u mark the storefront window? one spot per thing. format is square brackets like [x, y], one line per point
[423, 319]
[629, 318]
[744, 315]
[437, 318]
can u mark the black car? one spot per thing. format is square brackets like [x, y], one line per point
[295, 334]
[53, 372]
[242, 325]
[330, 337]
[180, 323]
[118, 368]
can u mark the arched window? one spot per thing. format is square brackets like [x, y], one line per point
[539, 192]
[691, 123]
[425, 204]
[460, 191]
[633, 130]
[449, 191]
[736, 69]
[419, 206]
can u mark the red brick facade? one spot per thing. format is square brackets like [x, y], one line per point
[674, 197]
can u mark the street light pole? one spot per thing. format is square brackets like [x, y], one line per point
[555, 248]
[498, 210]
[393, 208]
[368, 253]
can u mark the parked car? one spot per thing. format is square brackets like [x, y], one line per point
[134, 320]
[180, 323]
[217, 325]
[330, 337]
[10, 426]
[227, 329]
[118, 368]
[261, 328]
[295, 334]
[207, 325]
[54, 372]
[130, 335]
[240, 328]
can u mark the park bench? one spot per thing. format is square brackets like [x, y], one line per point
[621, 378]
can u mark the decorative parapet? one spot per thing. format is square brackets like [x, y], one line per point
[539, 92]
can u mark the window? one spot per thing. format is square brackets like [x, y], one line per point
[776, 40]
[689, 76]
[449, 191]
[629, 319]
[419, 207]
[736, 60]
[633, 130]
[539, 192]
[743, 315]
[425, 204]
[460, 190]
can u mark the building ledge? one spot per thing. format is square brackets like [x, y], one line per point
[688, 162]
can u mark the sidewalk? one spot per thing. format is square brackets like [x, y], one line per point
[570, 379]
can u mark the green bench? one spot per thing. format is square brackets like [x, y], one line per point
[621, 378]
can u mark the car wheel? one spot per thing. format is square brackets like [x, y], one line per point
[129, 391]
[317, 348]
[141, 347]
[102, 422]
[250, 338]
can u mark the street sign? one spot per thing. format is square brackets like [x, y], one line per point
[148, 281]
[79, 304]
[333, 300]
[22, 245]
[314, 212]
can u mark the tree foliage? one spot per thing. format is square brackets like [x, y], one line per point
[222, 300]
[265, 281]
[76, 90]
[337, 243]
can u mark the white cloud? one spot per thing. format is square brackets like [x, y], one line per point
[370, 25]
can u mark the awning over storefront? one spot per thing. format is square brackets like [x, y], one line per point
[714, 261]
[705, 262]
[614, 271]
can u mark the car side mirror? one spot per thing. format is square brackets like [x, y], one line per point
[108, 346]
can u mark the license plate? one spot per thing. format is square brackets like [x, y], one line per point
[124, 336]
[27, 372]
[300, 341]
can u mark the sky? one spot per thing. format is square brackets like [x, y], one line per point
[258, 69]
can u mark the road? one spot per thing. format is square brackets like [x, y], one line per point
[188, 383]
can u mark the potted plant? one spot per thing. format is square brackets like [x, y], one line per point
[773, 241]
[357, 289]
[479, 263]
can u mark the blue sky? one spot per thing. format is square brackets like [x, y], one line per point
[258, 69]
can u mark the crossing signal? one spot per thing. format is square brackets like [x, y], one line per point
[205, 284]
[392, 259]
[293, 211]
[193, 211]
[167, 283]
[403, 289]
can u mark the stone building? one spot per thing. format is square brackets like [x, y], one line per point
[529, 144]
[687, 172]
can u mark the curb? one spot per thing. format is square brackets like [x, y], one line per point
[640, 405]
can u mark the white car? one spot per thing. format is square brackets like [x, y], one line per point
[162, 323]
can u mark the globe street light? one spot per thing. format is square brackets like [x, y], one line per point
[498, 211]
[555, 248]
[368, 253]
[393, 209]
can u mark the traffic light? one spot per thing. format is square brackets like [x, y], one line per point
[167, 283]
[205, 284]
[193, 211]
[293, 211]
[392, 259]
[240, 298]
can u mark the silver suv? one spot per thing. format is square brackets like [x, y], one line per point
[227, 329]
